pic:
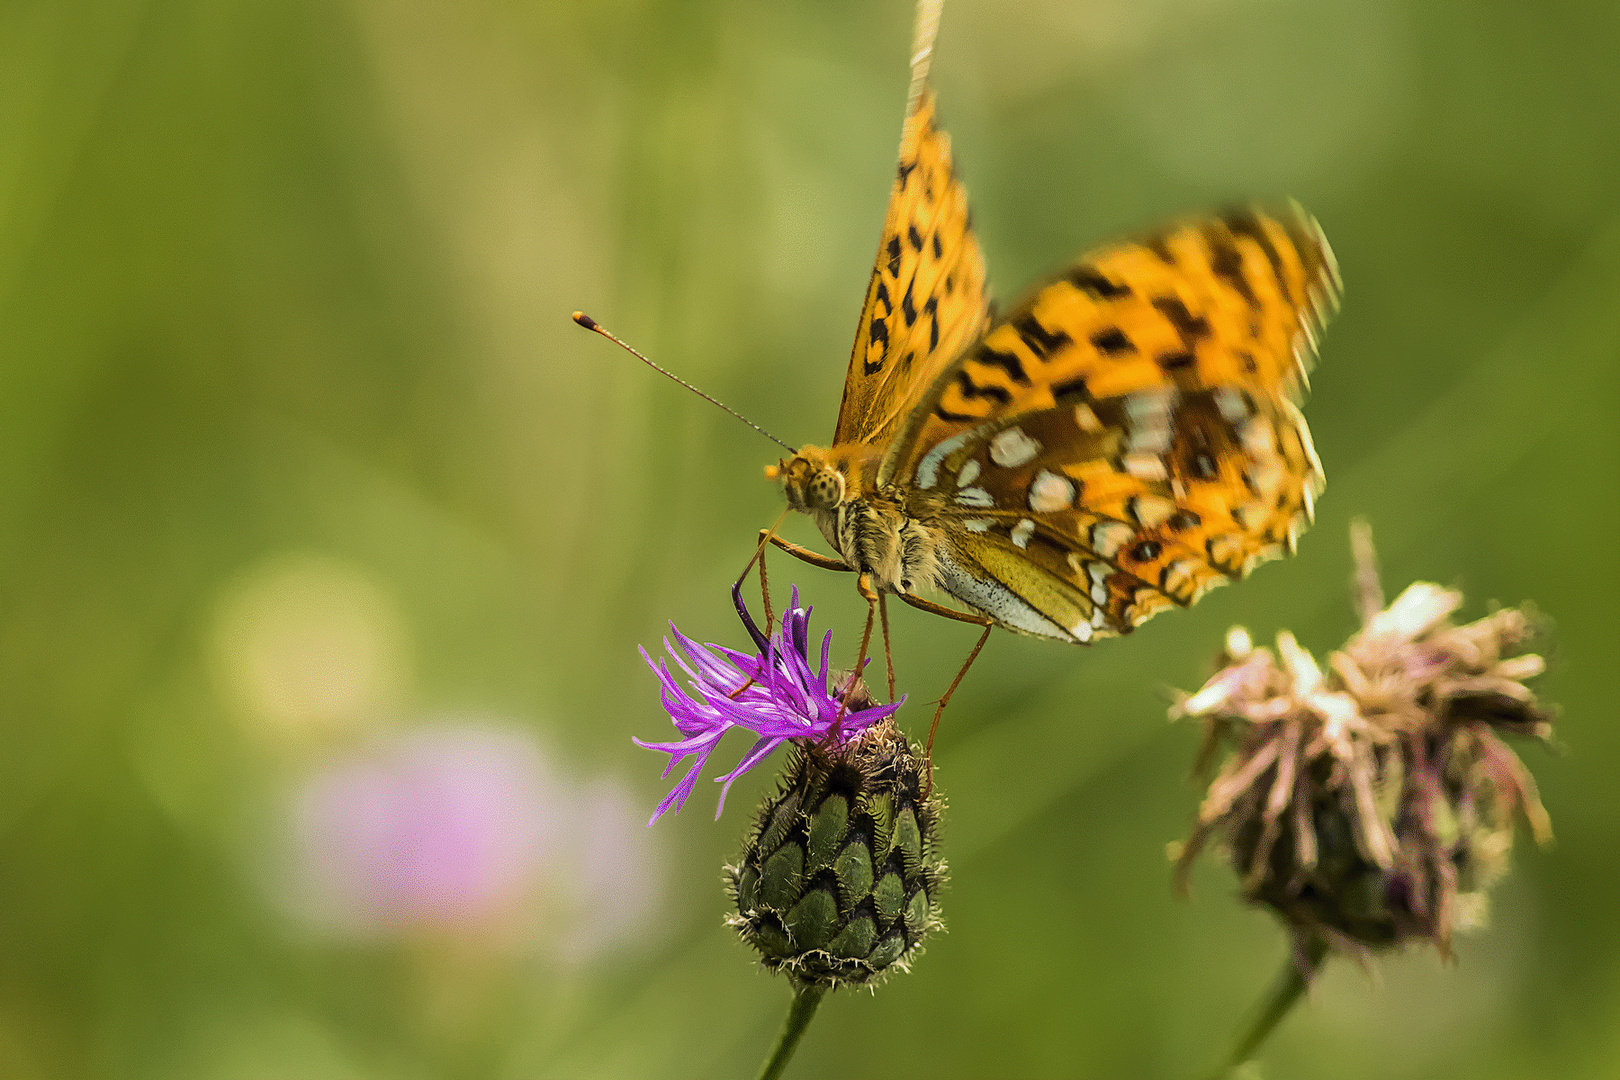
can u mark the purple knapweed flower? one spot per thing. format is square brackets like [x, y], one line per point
[776, 694]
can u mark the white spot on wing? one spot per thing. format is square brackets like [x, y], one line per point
[1267, 477]
[1050, 492]
[1151, 510]
[977, 524]
[1153, 440]
[1230, 403]
[1258, 437]
[1022, 532]
[928, 467]
[1147, 419]
[1099, 585]
[974, 496]
[1147, 406]
[1297, 421]
[1145, 466]
[969, 473]
[1301, 357]
[1224, 551]
[1087, 419]
[1012, 448]
[1177, 579]
[1107, 537]
[1319, 303]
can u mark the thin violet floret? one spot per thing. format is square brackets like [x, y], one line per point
[775, 693]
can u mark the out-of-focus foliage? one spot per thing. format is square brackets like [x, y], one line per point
[318, 519]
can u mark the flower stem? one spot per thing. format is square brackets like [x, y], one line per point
[805, 1000]
[1298, 970]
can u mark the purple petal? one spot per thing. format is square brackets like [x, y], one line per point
[757, 753]
[678, 794]
[683, 747]
[776, 694]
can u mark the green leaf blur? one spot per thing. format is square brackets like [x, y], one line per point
[300, 454]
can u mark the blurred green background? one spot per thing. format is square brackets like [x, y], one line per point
[326, 540]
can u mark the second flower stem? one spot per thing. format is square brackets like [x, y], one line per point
[1296, 978]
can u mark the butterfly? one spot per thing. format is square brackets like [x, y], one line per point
[1121, 441]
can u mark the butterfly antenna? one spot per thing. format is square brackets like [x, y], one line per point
[591, 324]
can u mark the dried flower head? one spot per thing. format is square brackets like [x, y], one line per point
[1372, 804]
[839, 879]
[776, 694]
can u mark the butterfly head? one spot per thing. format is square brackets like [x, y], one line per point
[810, 480]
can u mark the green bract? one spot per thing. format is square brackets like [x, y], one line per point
[839, 879]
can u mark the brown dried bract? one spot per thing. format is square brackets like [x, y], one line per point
[1372, 803]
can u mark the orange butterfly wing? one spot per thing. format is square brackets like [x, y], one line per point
[926, 301]
[1128, 436]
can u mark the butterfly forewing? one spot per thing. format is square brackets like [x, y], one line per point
[1128, 436]
[926, 300]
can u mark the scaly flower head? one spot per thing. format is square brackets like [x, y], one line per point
[840, 877]
[775, 693]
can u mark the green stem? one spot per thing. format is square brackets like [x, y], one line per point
[805, 1000]
[1290, 987]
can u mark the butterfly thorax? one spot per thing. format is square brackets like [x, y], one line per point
[872, 528]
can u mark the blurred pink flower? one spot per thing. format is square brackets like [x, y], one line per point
[465, 828]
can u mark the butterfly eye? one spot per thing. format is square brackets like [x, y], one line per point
[811, 485]
[825, 491]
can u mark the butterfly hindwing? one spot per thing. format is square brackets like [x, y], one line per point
[926, 301]
[1128, 437]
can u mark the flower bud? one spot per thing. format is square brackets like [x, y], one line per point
[839, 879]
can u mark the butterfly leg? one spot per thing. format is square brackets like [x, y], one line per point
[759, 554]
[764, 585]
[977, 620]
[804, 554]
[950, 613]
[873, 598]
[888, 651]
[814, 558]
